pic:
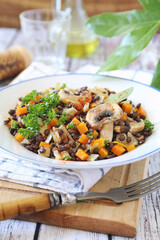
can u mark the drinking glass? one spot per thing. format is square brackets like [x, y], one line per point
[45, 33]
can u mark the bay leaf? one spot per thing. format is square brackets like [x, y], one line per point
[118, 97]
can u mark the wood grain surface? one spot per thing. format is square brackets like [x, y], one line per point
[99, 216]
[149, 227]
[10, 9]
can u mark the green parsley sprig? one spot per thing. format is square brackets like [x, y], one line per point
[148, 125]
[66, 156]
[106, 142]
[62, 120]
[14, 125]
[31, 96]
[71, 125]
[90, 135]
[44, 110]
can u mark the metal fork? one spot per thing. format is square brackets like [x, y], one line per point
[50, 200]
[126, 193]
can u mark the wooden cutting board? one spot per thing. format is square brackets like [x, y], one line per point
[99, 216]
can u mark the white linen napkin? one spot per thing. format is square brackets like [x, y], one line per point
[62, 180]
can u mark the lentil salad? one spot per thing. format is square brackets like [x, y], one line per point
[78, 124]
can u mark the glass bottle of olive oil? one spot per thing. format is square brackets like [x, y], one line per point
[81, 41]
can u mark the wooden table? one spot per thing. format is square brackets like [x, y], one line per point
[149, 225]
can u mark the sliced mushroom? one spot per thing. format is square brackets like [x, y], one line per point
[67, 96]
[133, 140]
[106, 131]
[103, 113]
[136, 126]
[122, 129]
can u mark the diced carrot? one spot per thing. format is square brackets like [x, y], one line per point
[31, 102]
[100, 142]
[141, 112]
[118, 149]
[21, 110]
[97, 143]
[82, 154]
[95, 134]
[131, 147]
[9, 123]
[44, 144]
[52, 123]
[38, 97]
[83, 139]
[103, 152]
[93, 104]
[75, 120]
[82, 128]
[19, 137]
[127, 107]
[124, 117]
[93, 142]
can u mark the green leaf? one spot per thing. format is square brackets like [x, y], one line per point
[151, 5]
[118, 97]
[156, 77]
[130, 48]
[119, 24]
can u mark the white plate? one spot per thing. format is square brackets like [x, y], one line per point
[148, 96]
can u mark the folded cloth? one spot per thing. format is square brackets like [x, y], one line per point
[62, 180]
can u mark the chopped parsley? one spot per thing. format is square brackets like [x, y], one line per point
[44, 110]
[31, 124]
[14, 125]
[148, 125]
[62, 120]
[31, 96]
[71, 125]
[26, 132]
[51, 114]
[106, 142]
[50, 99]
[90, 135]
[66, 156]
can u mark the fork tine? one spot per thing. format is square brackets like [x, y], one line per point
[142, 181]
[142, 185]
[146, 190]
[140, 195]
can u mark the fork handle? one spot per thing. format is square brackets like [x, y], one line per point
[24, 206]
[94, 195]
